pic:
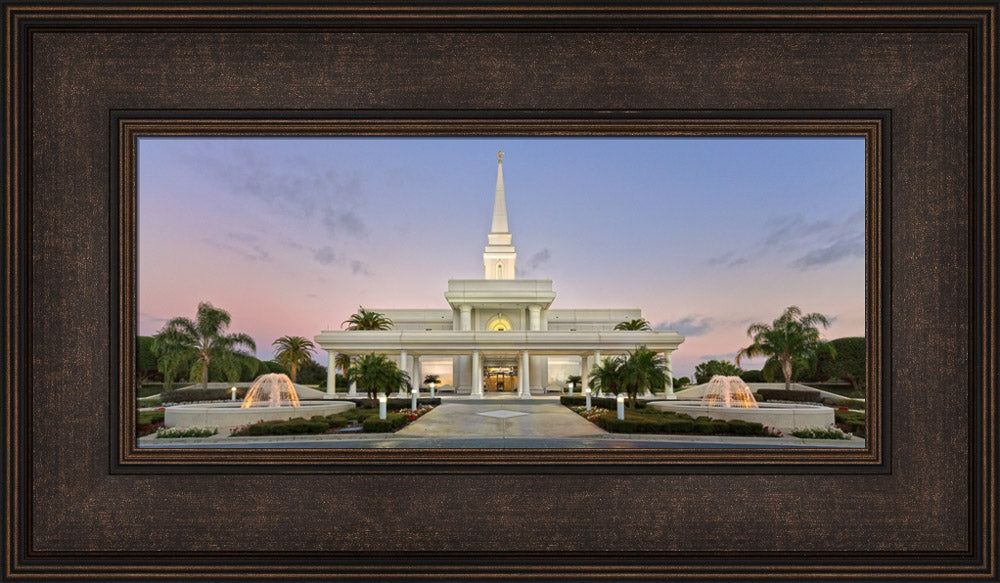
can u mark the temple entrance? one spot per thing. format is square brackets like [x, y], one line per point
[500, 378]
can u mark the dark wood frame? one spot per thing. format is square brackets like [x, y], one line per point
[921, 503]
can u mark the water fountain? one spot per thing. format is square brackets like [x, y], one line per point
[271, 390]
[272, 397]
[730, 398]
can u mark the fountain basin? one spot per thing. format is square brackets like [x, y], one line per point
[225, 416]
[785, 417]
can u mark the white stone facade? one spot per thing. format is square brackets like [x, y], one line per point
[499, 328]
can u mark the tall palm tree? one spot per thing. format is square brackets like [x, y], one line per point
[636, 324]
[641, 371]
[204, 340]
[607, 376]
[376, 374]
[367, 320]
[292, 352]
[791, 339]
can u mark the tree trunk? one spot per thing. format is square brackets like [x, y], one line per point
[291, 371]
[204, 377]
[786, 368]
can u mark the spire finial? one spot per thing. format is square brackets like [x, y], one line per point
[499, 156]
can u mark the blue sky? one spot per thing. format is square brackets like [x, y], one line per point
[705, 235]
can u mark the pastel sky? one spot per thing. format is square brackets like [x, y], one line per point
[705, 235]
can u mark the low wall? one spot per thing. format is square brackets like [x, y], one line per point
[785, 417]
[226, 416]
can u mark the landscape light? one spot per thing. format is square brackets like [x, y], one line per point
[234, 393]
[621, 406]
[587, 392]
[381, 406]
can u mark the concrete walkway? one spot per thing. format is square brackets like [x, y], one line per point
[501, 418]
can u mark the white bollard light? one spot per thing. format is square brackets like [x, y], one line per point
[381, 406]
[233, 391]
[621, 406]
[571, 389]
[432, 390]
[587, 392]
[413, 399]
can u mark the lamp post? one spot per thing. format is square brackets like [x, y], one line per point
[587, 393]
[571, 388]
[381, 406]
[621, 406]
[233, 393]
[413, 398]
[432, 388]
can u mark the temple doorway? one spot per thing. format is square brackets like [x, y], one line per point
[500, 378]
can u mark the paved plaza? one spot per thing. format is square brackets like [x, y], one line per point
[499, 423]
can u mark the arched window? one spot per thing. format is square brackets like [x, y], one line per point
[498, 324]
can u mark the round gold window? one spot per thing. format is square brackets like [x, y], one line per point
[499, 324]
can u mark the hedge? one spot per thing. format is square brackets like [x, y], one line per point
[610, 403]
[202, 395]
[391, 422]
[797, 395]
[853, 421]
[395, 403]
[672, 423]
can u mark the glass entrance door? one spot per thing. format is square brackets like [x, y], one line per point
[500, 378]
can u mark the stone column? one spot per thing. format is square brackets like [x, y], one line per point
[331, 376]
[353, 390]
[534, 318]
[477, 376]
[418, 373]
[669, 393]
[466, 316]
[403, 362]
[584, 373]
[525, 376]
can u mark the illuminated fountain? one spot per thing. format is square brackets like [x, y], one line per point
[271, 390]
[272, 397]
[729, 398]
[728, 392]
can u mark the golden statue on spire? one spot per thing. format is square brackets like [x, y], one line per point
[500, 156]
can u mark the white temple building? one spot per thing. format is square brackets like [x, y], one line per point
[500, 333]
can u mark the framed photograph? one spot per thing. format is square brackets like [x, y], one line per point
[91, 92]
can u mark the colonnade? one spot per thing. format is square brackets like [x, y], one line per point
[411, 364]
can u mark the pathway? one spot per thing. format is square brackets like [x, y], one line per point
[501, 418]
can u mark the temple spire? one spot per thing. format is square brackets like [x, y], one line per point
[499, 201]
[499, 256]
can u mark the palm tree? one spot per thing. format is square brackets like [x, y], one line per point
[376, 374]
[204, 340]
[641, 371]
[607, 376]
[343, 362]
[171, 356]
[636, 324]
[791, 339]
[432, 378]
[574, 380]
[292, 352]
[367, 320]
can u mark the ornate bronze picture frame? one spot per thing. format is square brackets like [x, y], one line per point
[84, 81]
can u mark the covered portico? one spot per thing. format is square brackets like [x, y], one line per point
[482, 346]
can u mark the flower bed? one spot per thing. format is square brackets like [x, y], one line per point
[148, 422]
[668, 422]
[171, 432]
[350, 420]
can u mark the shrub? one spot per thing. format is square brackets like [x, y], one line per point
[391, 422]
[797, 395]
[752, 376]
[297, 426]
[186, 432]
[396, 403]
[820, 433]
[201, 395]
[148, 417]
[851, 421]
[610, 403]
